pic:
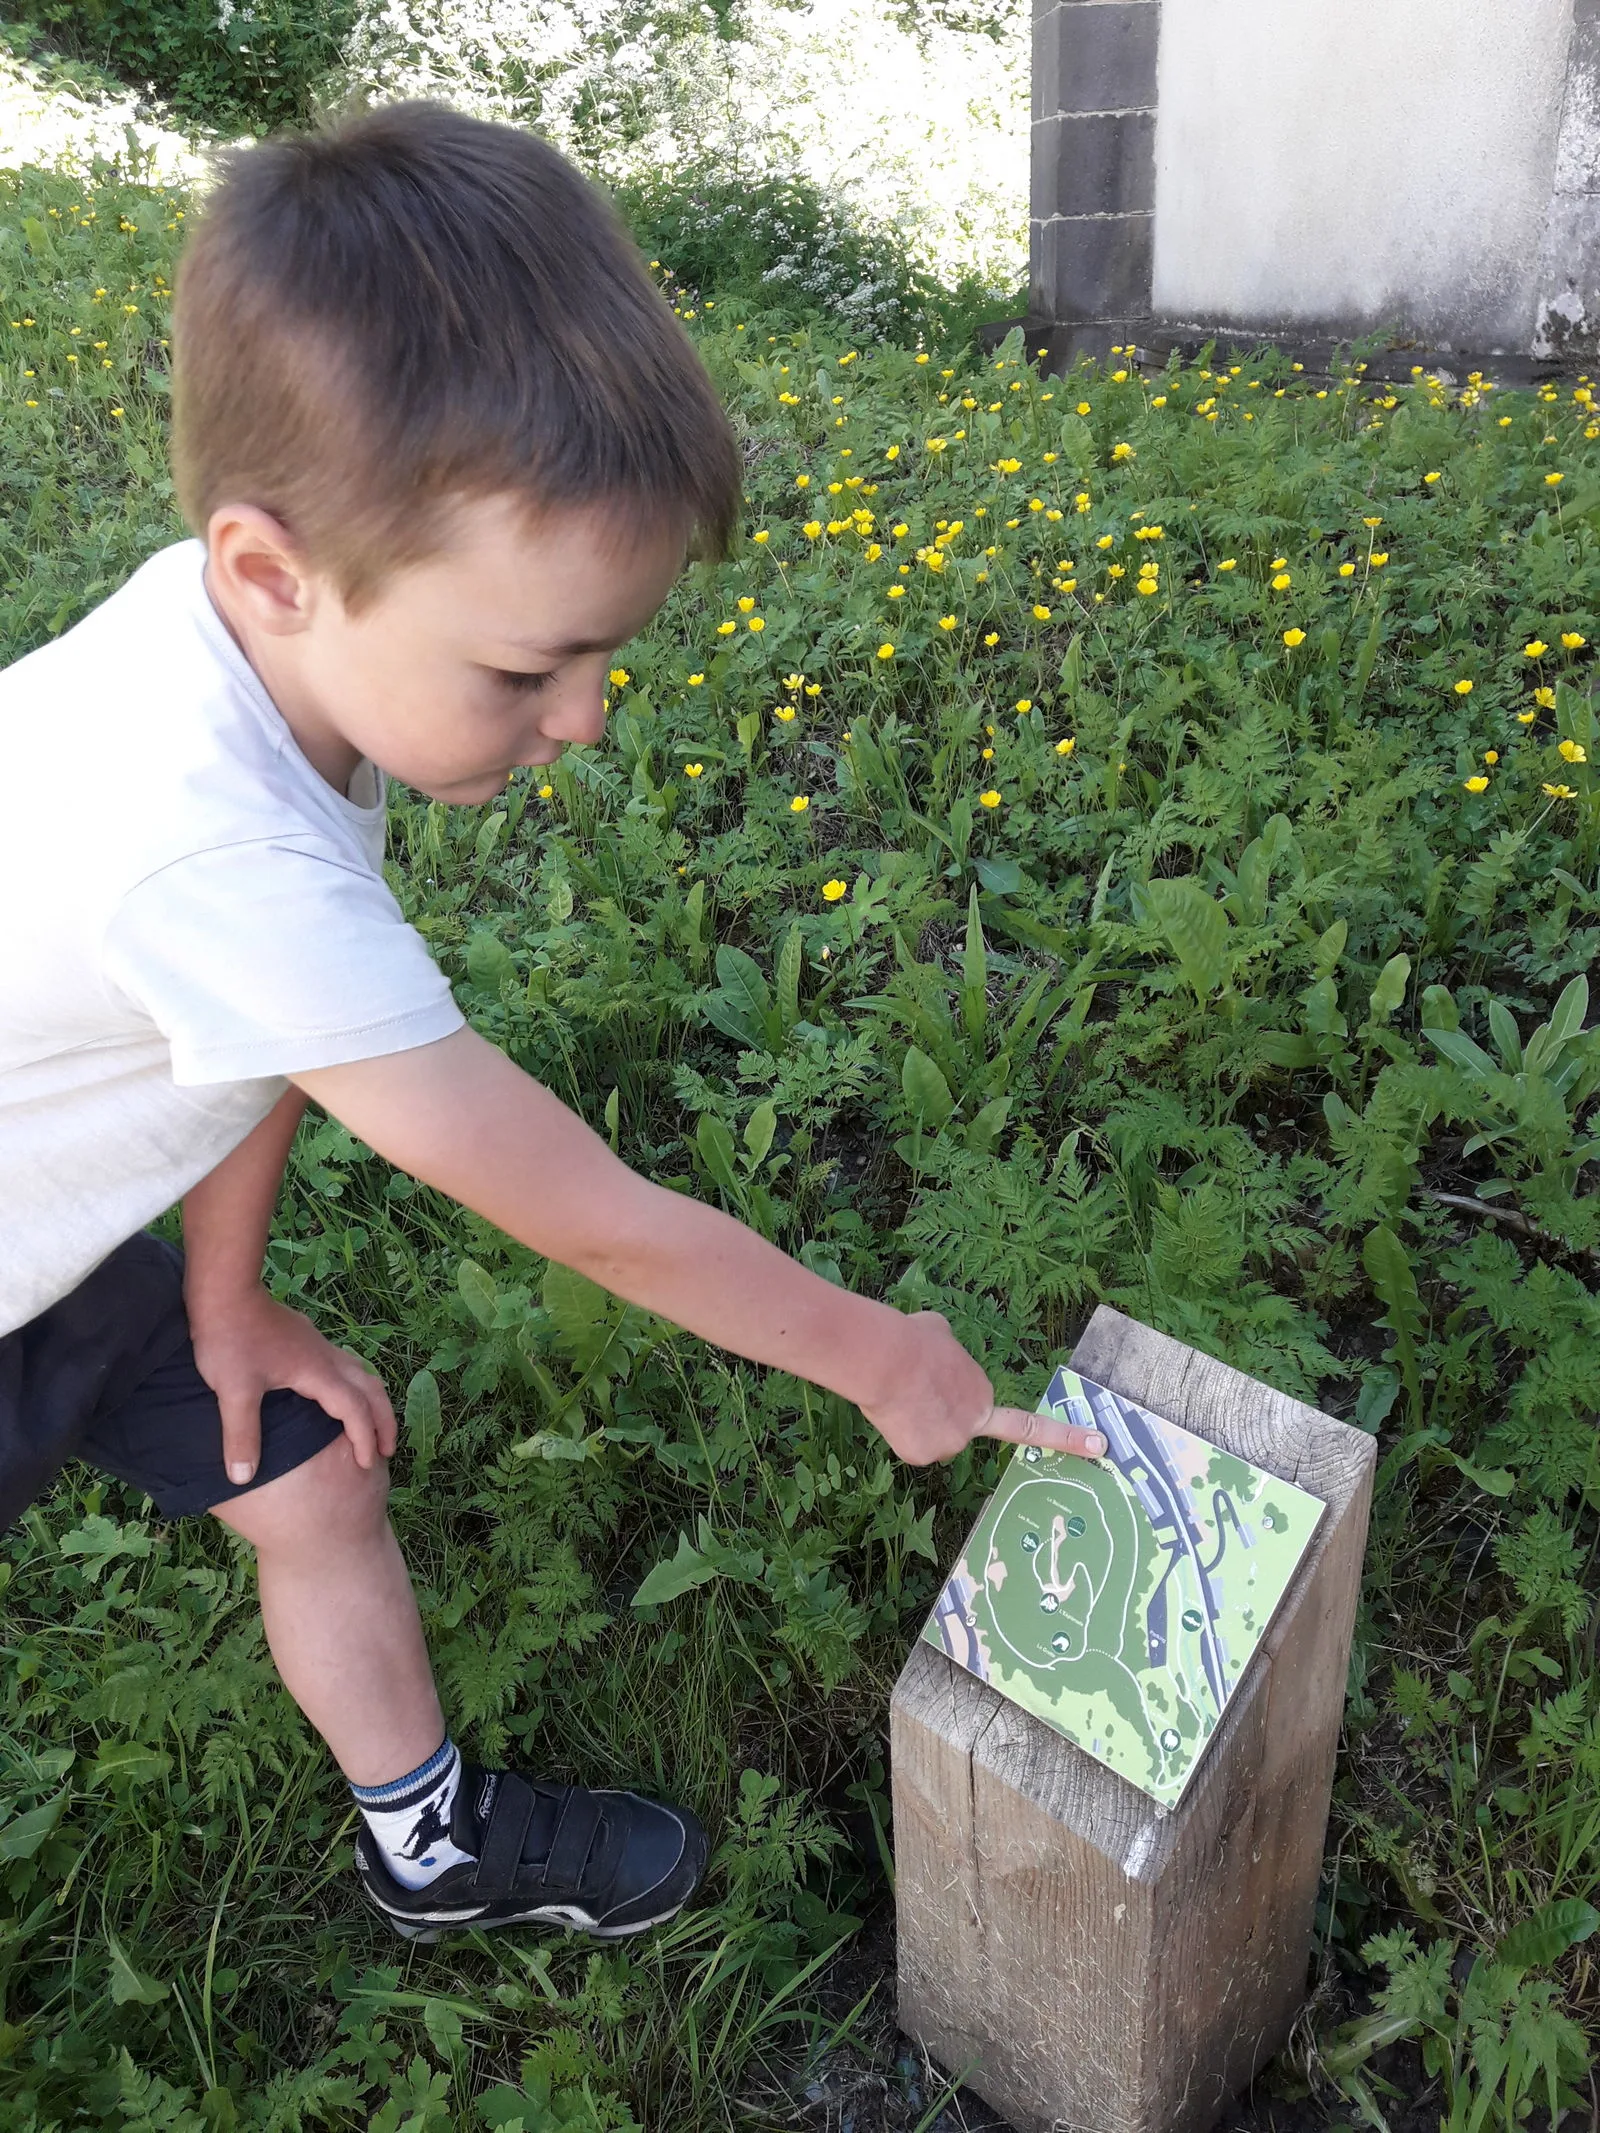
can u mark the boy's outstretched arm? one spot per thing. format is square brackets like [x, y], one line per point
[460, 1116]
[245, 1343]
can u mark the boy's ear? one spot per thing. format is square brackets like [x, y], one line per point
[255, 566]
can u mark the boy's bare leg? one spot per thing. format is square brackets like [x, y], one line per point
[340, 1614]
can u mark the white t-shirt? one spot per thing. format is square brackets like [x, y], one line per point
[191, 913]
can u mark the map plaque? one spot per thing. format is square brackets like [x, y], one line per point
[1103, 1928]
[1120, 1599]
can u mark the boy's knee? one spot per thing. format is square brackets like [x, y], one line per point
[327, 1500]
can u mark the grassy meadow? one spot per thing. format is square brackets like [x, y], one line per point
[1130, 837]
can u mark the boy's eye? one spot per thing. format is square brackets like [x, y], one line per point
[524, 684]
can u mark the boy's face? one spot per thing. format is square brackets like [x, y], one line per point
[491, 653]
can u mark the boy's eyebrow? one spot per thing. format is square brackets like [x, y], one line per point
[562, 651]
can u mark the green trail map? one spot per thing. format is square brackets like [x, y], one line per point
[1120, 1599]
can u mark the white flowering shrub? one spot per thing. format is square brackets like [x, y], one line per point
[867, 150]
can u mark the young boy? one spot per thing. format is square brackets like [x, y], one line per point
[445, 449]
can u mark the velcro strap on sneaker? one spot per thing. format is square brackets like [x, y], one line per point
[501, 1853]
[575, 1833]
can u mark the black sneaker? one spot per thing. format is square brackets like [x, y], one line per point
[606, 1863]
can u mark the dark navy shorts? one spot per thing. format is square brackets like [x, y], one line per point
[108, 1375]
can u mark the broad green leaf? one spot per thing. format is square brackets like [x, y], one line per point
[1282, 1049]
[1494, 1480]
[1461, 1052]
[488, 961]
[974, 974]
[734, 1020]
[614, 1118]
[1507, 1037]
[1534, 1943]
[478, 1292]
[1389, 1270]
[1001, 877]
[422, 1415]
[745, 989]
[791, 958]
[1439, 1009]
[130, 1762]
[666, 1581]
[1196, 927]
[128, 1984]
[986, 1128]
[580, 1311]
[1329, 948]
[715, 1143]
[1322, 1009]
[23, 1835]
[759, 1129]
[1390, 989]
[926, 1090]
[1567, 1017]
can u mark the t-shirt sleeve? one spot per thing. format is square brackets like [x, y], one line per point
[272, 957]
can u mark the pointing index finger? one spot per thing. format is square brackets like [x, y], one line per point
[1016, 1425]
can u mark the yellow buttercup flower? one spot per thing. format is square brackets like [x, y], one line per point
[897, 592]
[757, 622]
[1430, 478]
[992, 639]
[1123, 451]
[1535, 648]
[763, 535]
[799, 804]
[545, 791]
[745, 605]
[1463, 688]
[1040, 614]
[1559, 792]
[1552, 481]
[785, 712]
[619, 676]
[1491, 756]
[1545, 698]
[1377, 561]
[812, 529]
[1476, 784]
[1282, 582]
[1066, 747]
[1292, 638]
[833, 890]
[1084, 408]
[1024, 703]
[947, 622]
[990, 798]
[1347, 570]
[1571, 752]
[893, 452]
[1572, 641]
[886, 651]
[1228, 563]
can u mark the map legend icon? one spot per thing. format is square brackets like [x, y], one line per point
[1121, 1599]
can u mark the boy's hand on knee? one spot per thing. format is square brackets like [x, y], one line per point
[940, 1399]
[256, 1345]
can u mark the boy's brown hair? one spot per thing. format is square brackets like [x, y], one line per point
[413, 306]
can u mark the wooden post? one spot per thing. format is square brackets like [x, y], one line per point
[1090, 1961]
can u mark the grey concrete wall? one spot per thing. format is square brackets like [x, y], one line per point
[1312, 171]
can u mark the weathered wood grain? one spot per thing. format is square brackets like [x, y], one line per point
[1089, 1960]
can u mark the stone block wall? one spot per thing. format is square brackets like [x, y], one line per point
[1429, 168]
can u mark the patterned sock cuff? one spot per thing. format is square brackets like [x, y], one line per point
[422, 1779]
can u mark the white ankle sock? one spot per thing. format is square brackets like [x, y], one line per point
[410, 1818]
